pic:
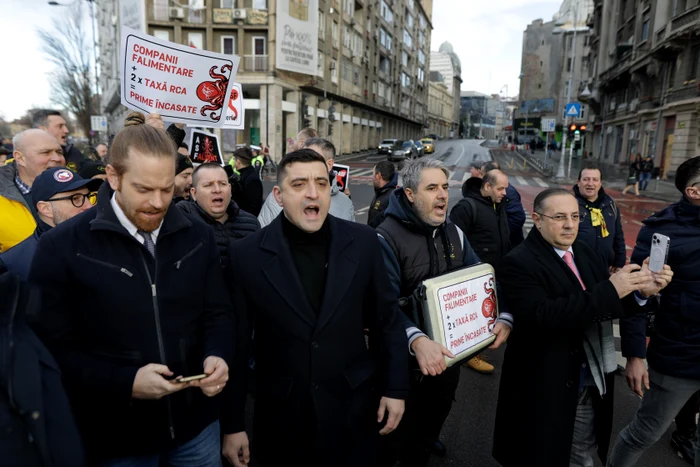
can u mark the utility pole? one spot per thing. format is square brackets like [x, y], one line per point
[560, 171]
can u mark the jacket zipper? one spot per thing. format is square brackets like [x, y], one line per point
[159, 333]
[103, 263]
[177, 265]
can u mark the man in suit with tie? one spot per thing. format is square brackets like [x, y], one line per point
[308, 285]
[555, 412]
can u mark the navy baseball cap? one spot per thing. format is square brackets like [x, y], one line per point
[59, 180]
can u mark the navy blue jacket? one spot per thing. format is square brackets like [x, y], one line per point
[110, 308]
[516, 216]
[37, 426]
[612, 248]
[674, 347]
[18, 259]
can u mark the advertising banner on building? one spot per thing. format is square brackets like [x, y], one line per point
[235, 114]
[297, 36]
[182, 84]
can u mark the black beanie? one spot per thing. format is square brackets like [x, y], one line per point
[183, 163]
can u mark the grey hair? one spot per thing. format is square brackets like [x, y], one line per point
[41, 117]
[327, 148]
[412, 172]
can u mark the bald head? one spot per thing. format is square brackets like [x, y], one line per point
[494, 185]
[35, 151]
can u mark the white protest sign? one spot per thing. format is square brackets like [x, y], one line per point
[468, 312]
[182, 84]
[342, 175]
[235, 116]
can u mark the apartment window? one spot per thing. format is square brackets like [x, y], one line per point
[694, 62]
[334, 71]
[404, 58]
[347, 71]
[645, 30]
[385, 11]
[678, 7]
[347, 37]
[356, 43]
[385, 39]
[421, 75]
[421, 57]
[568, 64]
[255, 4]
[259, 45]
[423, 22]
[228, 4]
[162, 34]
[160, 10]
[195, 39]
[409, 4]
[405, 80]
[196, 16]
[382, 89]
[421, 38]
[334, 34]
[321, 25]
[384, 64]
[409, 19]
[356, 76]
[321, 63]
[672, 75]
[407, 39]
[228, 45]
[349, 7]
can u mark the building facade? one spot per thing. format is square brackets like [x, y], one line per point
[440, 107]
[645, 83]
[446, 62]
[371, 82]
[482, 115]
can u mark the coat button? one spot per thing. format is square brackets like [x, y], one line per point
[314, 345]
[35, 415]
[569, 384]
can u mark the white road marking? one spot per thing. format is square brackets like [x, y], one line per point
[521, 180]
[461, 155]
[540, 182]
[361, 172]
[467, 176]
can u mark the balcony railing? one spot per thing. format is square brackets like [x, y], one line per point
[685, 18]
[682, 93]
[255, 62]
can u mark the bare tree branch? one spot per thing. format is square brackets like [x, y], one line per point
[68, 46]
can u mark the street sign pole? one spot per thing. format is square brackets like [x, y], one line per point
[560, 171]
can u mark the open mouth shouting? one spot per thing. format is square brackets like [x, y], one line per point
[217, 201]
[440, 208]
[312, 211]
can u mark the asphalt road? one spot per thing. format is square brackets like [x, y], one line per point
[468, 432]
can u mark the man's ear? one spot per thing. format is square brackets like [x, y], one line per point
[330, 163]
[193, 193]
[537, 219]
[277, 193]
[44, 208]
[692, 192]
[410, 195]
[112, 177]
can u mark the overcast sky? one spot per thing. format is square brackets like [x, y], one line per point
[487, 36]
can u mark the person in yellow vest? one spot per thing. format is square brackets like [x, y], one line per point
[34, 151]
[258, 161]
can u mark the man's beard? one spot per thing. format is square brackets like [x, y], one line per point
[185, 193]
[142, 224]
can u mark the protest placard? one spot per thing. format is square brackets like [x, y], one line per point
[342, 175]
[235, 117]
[205, 147]
[182, 84]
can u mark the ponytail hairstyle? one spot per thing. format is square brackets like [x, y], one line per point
[136, 136]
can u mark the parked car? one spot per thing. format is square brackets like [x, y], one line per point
[403, 150]
[429, 145]
[419, 148]
[386, 145]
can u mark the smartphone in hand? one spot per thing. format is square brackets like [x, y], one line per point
[187, 379]
[659, 252]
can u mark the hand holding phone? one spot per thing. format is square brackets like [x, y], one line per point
[659, 252]
[187, 379]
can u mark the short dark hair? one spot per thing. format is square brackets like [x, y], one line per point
[40, 117]
[548, 193]
[489, 166]
[205, 166]
[590, 166]
[4, 151]
[386, 169]
[326, 146]
[244, 154]
[184, 145]
[303, 156]
[688, 174]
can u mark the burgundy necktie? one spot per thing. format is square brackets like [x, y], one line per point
[569, 260]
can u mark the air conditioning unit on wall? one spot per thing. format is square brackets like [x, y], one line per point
[176, 12]
[239, 13]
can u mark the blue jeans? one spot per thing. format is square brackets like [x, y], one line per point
[202, 451]
[644, 180]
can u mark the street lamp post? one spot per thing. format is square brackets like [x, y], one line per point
[560, 171]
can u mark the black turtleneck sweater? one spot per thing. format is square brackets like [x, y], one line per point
[310, 255]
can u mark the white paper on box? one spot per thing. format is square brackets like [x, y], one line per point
[461, 310]
[182, 84]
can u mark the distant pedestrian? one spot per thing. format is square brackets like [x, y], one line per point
[385, 178]
[647, 169]
[633, 173]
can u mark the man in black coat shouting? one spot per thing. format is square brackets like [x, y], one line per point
[134, 297]
[308, 285]
[563, 300]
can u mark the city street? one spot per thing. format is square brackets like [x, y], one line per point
[468, 433]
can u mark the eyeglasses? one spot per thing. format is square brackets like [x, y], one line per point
[563, 217]
[78, 199]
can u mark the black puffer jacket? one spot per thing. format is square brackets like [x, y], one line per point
[484, 223]
[238, 225]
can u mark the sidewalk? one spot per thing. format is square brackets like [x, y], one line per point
[613, 177]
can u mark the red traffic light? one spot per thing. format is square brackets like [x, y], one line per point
[583, 128]
[573, 127]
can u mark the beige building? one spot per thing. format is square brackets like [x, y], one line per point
[371, 80]
[645, 85]
[440, 107]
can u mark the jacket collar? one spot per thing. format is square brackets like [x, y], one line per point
[106, 219]
[282, 274]
[232, 210]
[8, 189]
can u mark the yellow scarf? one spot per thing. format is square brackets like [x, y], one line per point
[597, 219]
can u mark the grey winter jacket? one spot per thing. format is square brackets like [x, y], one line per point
[341, 207]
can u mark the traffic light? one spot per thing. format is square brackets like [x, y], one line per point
[572, 130]
[582, 129]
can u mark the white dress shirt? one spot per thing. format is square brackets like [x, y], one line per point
[129, 226]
